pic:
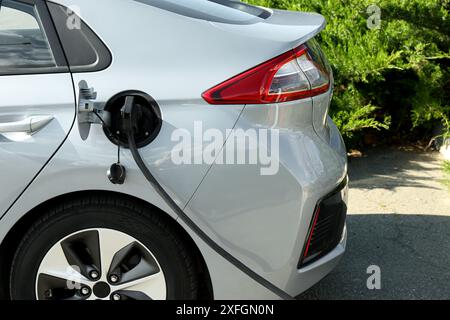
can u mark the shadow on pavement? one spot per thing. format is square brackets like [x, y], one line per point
[413, 252]
[389, 169]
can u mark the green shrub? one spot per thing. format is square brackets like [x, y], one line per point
[447, 167]
[393, 79]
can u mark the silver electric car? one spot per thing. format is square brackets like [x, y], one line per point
[166, 149]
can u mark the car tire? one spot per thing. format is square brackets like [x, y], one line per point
[73, 225]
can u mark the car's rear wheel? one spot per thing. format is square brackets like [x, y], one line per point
[103, 248]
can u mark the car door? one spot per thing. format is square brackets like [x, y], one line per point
[37, 103]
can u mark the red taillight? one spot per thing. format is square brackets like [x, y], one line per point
[291, 76]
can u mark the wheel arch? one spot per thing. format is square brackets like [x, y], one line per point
[14, 236]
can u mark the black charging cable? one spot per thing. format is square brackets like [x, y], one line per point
[129, 124]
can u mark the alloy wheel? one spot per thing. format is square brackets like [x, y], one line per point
[100, 264]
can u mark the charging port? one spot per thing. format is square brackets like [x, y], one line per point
[147, 120]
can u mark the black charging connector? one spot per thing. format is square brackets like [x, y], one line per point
[130, 116]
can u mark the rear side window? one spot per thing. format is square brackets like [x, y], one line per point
[318, 55]
[224, 11]
[24, 46]
[85, 52]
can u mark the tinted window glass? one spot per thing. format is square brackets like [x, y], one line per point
[23, 43]
[225, 11]
[84, 50]
[318, 55]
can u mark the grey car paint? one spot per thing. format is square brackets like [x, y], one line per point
[23, 155]
[264, 227]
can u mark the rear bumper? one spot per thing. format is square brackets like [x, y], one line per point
[327, 225]
[312, 271]
[305, 275]
[311, 274]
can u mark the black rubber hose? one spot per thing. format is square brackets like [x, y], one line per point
[128, 116]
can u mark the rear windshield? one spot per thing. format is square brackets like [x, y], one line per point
[225, 11]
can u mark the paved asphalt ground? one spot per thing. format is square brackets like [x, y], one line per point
[399, 219]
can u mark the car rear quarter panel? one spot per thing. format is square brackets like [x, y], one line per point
[174, 59]
[264, 220]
